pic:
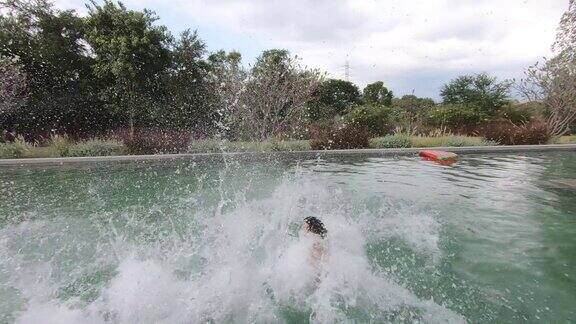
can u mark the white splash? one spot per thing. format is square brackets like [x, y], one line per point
[243, 265]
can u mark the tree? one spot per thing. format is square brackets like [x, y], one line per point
[413, 104]
[48, 45]
[554, 82]
[13, 89]
[227, 80]
[272, 100]
[277, 59]
[480, 90]
[188, 86]
[130, 56]
[333, 97]
[454, 116]
[410, 111]
[219, 59]
[377, 93]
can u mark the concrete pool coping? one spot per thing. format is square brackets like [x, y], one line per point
[288, 154]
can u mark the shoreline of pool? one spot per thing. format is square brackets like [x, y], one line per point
[288, 154]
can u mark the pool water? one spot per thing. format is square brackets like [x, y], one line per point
[489, 239]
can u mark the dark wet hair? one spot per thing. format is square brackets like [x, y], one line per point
[316, 226]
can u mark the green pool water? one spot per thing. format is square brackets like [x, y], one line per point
[489, 239]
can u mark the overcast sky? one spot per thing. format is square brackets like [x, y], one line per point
[411, 45]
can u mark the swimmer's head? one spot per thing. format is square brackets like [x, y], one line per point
[315, 226]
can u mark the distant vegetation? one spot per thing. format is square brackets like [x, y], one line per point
[115, 81]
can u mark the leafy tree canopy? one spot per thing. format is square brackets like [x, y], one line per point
[131, 55]
[277, 59]
[480, 90]
[188, 53]
[126, 43]
[49, 47]
[413, 104]
[13, 90]
[377, 93]
[333, 97]
[221, 58]
[187, 104]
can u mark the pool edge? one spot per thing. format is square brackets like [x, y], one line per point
[288, 154]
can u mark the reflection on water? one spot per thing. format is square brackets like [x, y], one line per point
[491, 238]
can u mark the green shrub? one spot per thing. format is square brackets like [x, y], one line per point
[427, 141]
[14, 150]
[455, 116]
[60, 145]
[392, 141]
[97, 147]
[376, 119]
[461, 141]
[450, 141]
[404, 140]
[41, 152]
[403, 120]
[521, 113]
[570, 139]
[245, 146]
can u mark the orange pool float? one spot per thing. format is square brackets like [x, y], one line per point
[441, 157]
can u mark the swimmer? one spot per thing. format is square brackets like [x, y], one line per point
[314, 229]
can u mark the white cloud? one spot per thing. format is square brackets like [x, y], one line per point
[393, 40]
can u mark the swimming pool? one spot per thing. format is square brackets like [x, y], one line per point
[492, 238]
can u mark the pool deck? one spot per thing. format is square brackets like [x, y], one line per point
[289, 154]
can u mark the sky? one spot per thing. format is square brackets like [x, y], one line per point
[414, 46]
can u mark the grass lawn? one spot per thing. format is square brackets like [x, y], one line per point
[570, 139]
